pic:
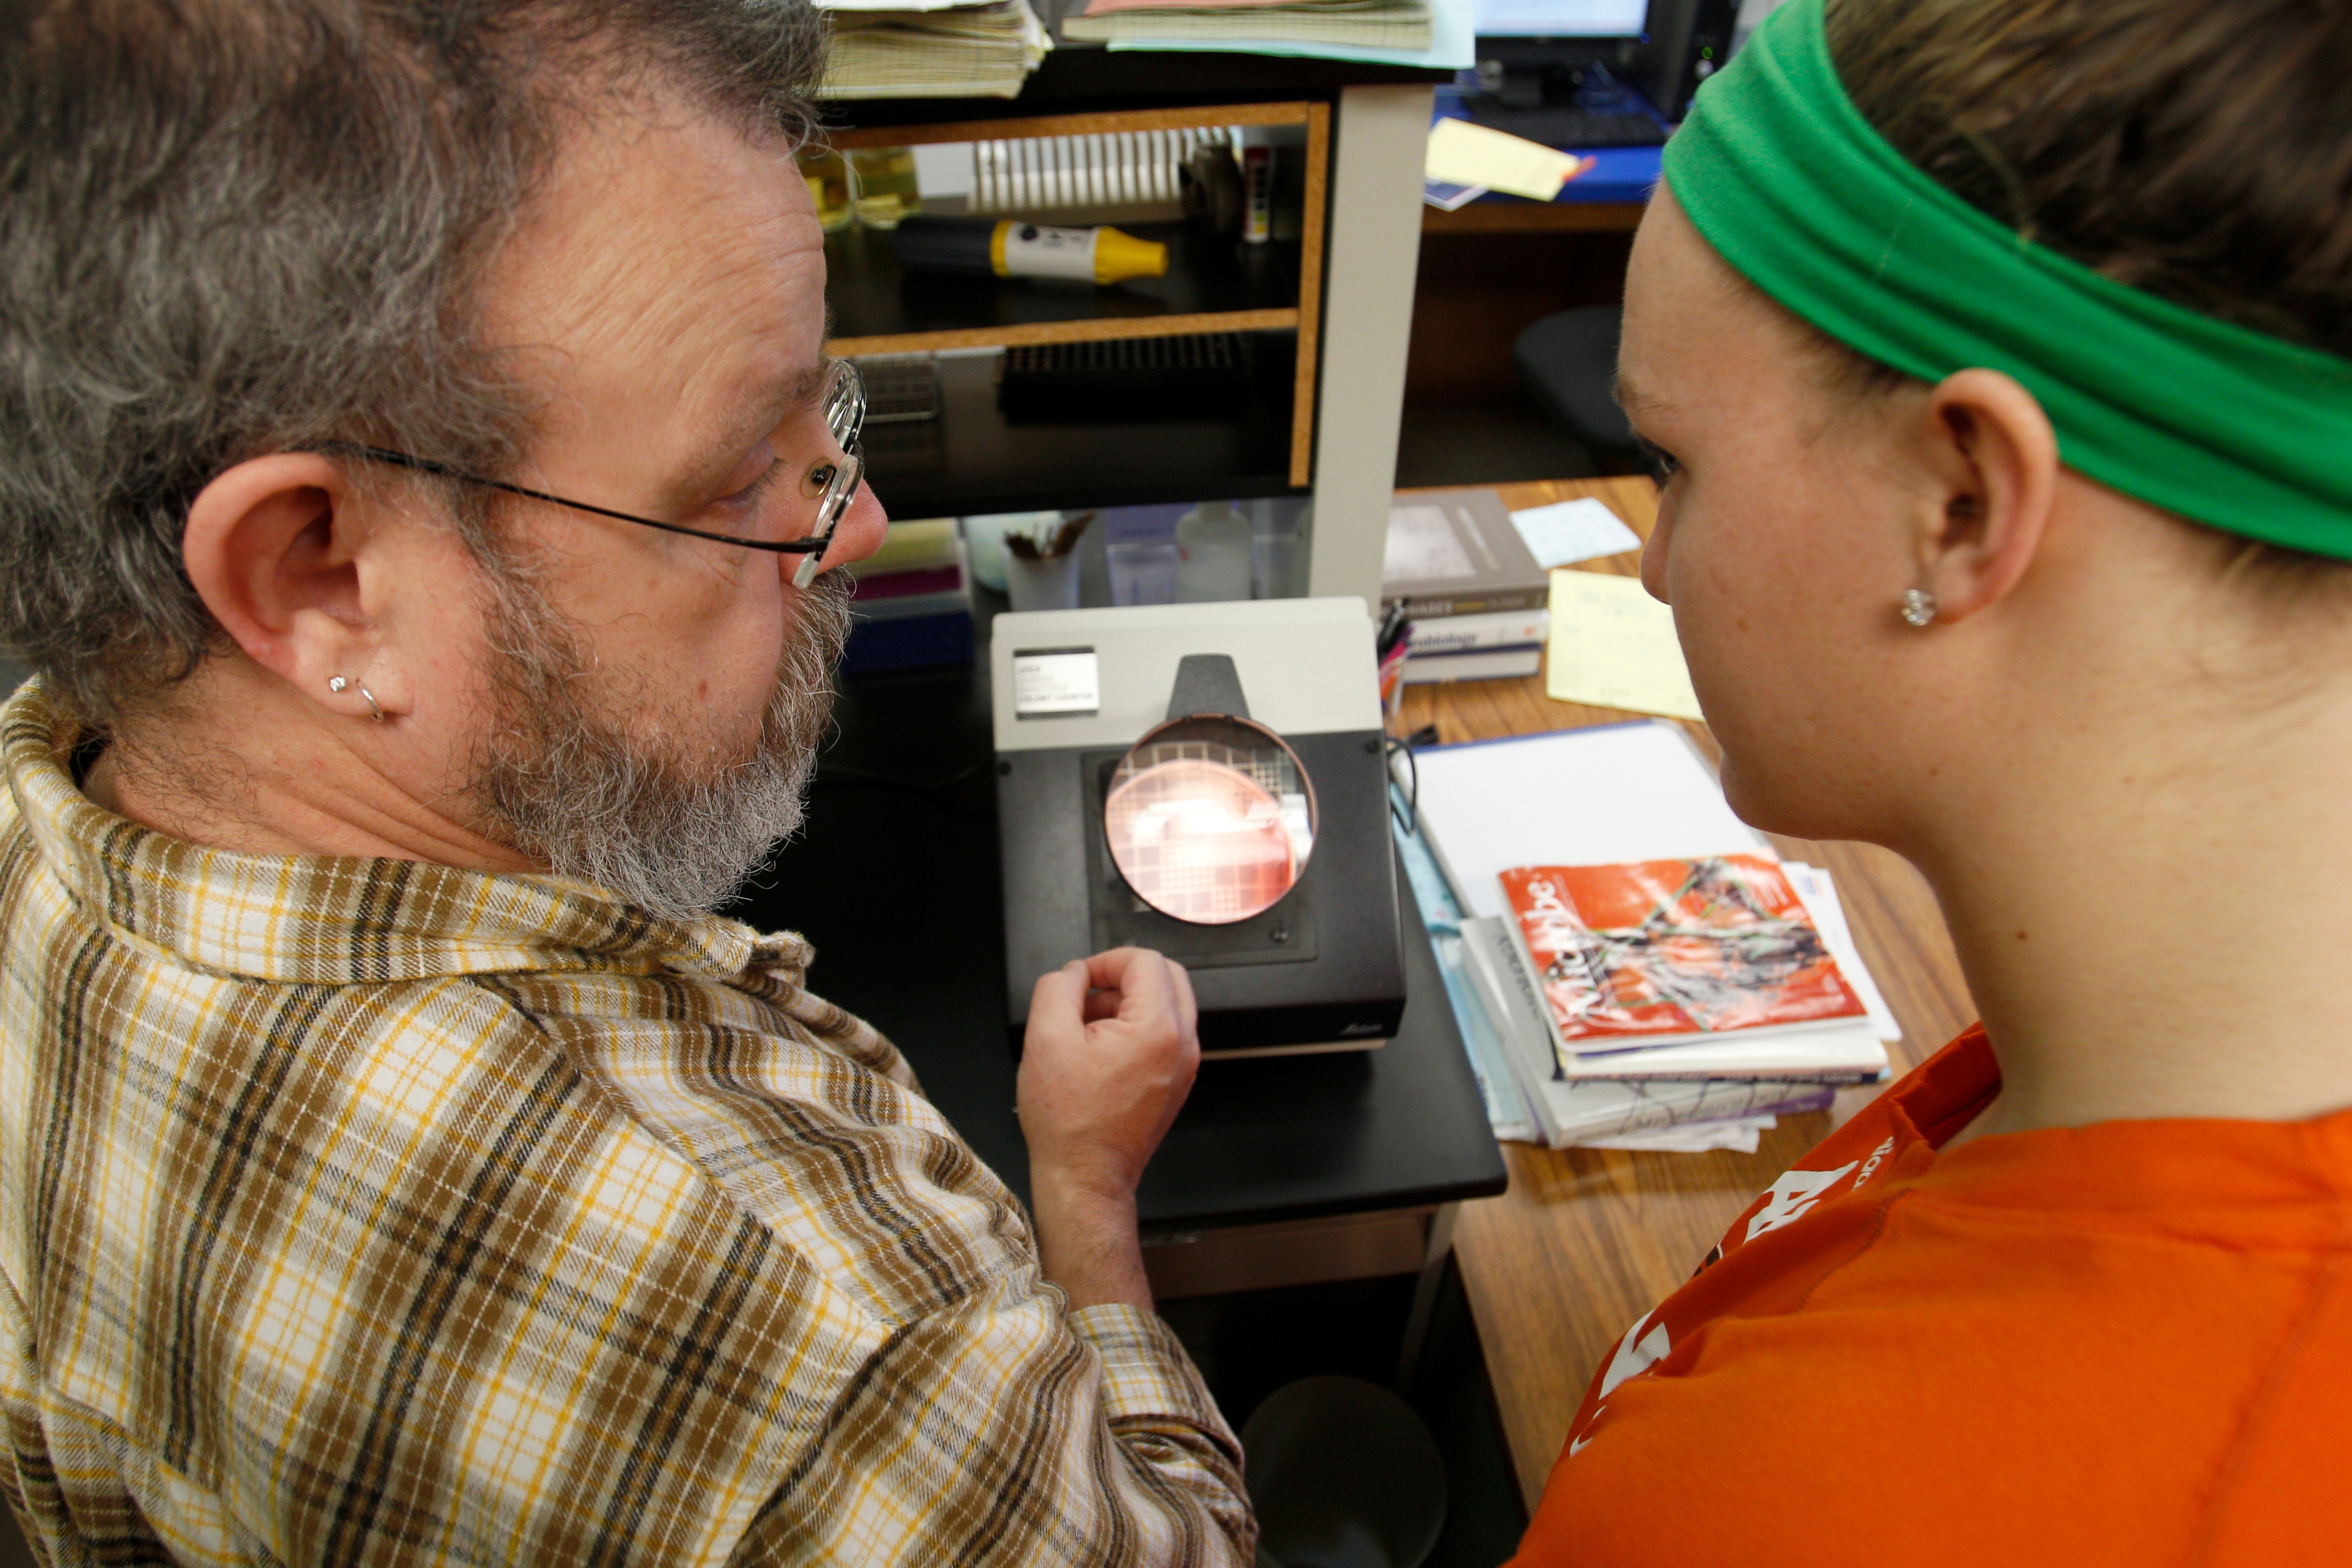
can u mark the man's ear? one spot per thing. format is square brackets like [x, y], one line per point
[1996, 459]
[273, 547]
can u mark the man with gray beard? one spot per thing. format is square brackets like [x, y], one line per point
[423, 492]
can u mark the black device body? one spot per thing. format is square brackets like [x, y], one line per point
[1688, 41]
[1526, 78]
[1323, 967]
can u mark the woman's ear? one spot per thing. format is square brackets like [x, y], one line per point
[1995, 459]
[273, 547]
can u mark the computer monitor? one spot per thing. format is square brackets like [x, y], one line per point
[1535, 52]
[1561, 18]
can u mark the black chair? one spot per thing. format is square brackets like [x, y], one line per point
[1569, 363]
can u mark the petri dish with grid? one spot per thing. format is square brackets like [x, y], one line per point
[1210, 820]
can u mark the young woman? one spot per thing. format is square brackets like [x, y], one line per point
[1996, 350]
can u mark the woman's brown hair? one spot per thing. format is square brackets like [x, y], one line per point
[2200, 150]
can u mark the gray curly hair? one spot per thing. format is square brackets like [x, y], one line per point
[229, 227]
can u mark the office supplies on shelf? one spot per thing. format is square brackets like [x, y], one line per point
[900, 388]
[1199, 376]
[1567, 531]
[1613, 645]
[910, 608]
[1009, 248]
[1137, 175]
[1455, 552]
[1374, 24]
[883, 191]
[827, 175]
[1475, 156]
[1041, 560]
[914, 48]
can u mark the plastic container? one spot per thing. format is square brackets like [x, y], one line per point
[828, 182]
[882, 187]
[1212, 554]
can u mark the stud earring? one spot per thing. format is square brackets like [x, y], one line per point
[336, 684]
[1918, 606]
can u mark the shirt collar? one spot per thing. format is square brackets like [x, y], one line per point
[337, 919]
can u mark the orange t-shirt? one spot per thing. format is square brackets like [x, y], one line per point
[2124, 1343]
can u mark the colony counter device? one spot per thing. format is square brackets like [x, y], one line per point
[1208, 781]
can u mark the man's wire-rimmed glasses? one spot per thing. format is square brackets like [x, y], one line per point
[844, 416]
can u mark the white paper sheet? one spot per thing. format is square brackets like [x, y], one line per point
[1567, 532]
[1613, 645]
[1574, 797]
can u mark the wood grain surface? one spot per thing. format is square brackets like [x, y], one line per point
[1587, 1240]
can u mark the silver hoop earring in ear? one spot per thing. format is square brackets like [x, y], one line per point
[371, 702]
[1918, 606]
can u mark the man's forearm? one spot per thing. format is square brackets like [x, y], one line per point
[1087, 1243]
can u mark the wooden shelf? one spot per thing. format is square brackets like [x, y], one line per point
[1084, 123]
[1213, 285]
[972, 459]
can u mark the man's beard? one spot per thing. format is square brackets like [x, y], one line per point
[563, 777]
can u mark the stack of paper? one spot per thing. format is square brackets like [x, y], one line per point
[932, 48]
[1376, 23]
[1605, 798]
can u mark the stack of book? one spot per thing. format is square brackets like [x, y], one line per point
[1640, 968]
[926, 48]
[1473, 591]
[1376, 23]
[912, 609]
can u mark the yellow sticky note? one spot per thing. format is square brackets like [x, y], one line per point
[1613, 645]
[1461, 153]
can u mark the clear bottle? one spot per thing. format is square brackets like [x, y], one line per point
[828, 182]
[885, 189]
[1213, 554]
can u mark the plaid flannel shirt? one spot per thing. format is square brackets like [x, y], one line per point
[367, 1211]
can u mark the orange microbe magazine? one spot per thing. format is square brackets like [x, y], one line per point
[1652, 952]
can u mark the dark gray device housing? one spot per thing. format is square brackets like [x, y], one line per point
[1323, 969]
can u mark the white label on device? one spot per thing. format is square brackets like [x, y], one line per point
[1033, 250]
[1050, 680]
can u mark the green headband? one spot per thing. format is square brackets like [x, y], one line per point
[1784, 177]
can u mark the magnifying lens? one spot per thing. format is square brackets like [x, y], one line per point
[1210, 818]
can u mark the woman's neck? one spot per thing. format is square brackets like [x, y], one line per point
[2162, 929]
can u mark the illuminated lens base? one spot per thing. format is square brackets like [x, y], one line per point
[1209, 833]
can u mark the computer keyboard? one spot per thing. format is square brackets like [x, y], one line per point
[1565, 125]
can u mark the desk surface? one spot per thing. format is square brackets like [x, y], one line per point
[1588, 1239]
